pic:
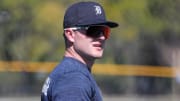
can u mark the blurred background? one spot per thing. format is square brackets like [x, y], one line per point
[148, 35]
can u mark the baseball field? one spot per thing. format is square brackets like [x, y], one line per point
[106, 98]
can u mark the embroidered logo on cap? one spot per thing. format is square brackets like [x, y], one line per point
[98, 10]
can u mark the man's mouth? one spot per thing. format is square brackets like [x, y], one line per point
[98, 46]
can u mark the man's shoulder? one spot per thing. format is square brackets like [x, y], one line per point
[68, 67]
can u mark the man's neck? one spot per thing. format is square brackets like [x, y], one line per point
[73, 54]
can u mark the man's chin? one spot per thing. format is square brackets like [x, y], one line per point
[98, 57]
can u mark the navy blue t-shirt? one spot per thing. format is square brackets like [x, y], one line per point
[70, 81]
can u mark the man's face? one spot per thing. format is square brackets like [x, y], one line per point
[89, 47]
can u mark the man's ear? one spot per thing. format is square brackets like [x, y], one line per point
[69, 35]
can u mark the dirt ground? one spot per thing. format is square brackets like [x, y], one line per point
[106, 98]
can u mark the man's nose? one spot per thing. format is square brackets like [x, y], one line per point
[102, 36]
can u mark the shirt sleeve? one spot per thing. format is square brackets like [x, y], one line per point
[74, 87]
[46, 90]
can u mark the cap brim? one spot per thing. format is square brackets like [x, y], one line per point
[107, 23]
[111, 24]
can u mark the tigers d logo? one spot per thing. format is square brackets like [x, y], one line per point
[98, 10]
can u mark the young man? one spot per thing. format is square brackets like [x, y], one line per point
[85, 32]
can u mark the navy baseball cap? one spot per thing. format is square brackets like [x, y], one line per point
[86, 14]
